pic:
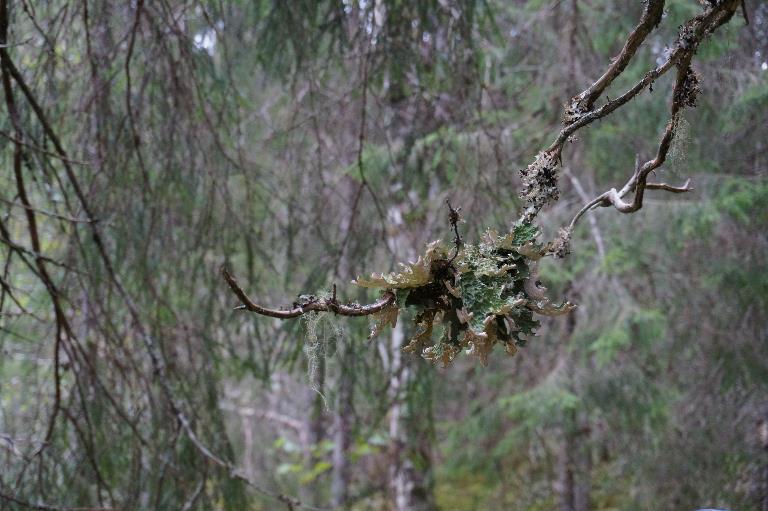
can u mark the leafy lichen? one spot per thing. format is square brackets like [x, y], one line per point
[484, 296]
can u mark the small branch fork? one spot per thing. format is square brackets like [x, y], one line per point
[615, 198]
[316, 304]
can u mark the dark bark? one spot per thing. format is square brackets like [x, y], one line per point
[342, 432]
[314, 425]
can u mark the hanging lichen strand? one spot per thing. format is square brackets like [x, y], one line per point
[484, 295]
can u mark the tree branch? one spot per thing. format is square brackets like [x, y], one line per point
[684, 94]
[650, 20]
[318, 305]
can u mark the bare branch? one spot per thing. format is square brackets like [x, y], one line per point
[40, 149]
[615, 198]
[45, 507]
[650, 19]
[318, 305]
[669, 188]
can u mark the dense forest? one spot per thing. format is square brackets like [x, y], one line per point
[221, 285]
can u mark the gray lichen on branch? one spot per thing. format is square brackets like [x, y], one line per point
[684, 95]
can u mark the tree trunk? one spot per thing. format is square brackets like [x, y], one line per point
[575, 461]
[762, 434]
[342, 431]
[583, 458]
[314, 425]
[566, 466]
[410, 472]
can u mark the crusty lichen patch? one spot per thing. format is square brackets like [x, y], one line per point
[540, 182]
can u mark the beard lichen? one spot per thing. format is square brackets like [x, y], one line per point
[678, 152]
[323, 332]
[483, 296]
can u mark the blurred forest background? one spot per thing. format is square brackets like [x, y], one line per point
[145, 143]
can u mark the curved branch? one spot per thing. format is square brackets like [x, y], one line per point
[614, 198]
[542, 173]
[683, 95]
[319, 305]
[637, 183]
[650, 19]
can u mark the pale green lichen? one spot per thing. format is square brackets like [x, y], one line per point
[321, 330]
[486, 295]
[678, 152]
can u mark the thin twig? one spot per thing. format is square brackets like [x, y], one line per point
[318, 305]
[46, 507]
[47, 213]
[41, 150]
[592, 221]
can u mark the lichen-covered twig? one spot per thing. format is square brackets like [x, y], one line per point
[685, 92]
[315, 304]
[651, 17]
